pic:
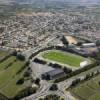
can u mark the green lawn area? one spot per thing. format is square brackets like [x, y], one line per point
[63, 57]
[95, 96]
[89, 90]
[83, 93]
[8, 76]
[3, 54]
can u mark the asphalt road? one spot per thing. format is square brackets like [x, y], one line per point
[44, 89]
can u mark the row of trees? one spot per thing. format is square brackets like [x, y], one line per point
[26, 92]
[66, 69]
[51, 97]
[87, 77]
[24, 66]
[76, 72]
[36, 60]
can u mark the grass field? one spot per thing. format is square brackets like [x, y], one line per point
[3, 54]
[8, 76]
[89, 90]
[63, 57]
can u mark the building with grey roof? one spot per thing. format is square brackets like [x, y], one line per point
[56, 73]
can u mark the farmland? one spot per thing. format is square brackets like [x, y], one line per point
[8, 75]
[89, 90]
[63, 57]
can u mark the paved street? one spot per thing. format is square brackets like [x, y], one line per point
[44, 89]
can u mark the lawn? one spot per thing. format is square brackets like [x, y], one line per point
[83, 93]
[8, 76]
[95, 96]
[3, 54]
[64, 58]
[89, 90]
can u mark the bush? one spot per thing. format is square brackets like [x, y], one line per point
[27, 63]
[14, 53]
[37, 81]
[54, 87]
[26, 74]
[20, 81]
[67, 70]
[36, 60]
[26, 92]
[52, 97]
[21, 57]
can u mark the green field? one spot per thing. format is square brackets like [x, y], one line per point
[3, 54]
[63, 57]
[89, 90]
[8, 76]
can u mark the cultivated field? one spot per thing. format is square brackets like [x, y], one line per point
[89, 90]
[63, 58]
[8, 75]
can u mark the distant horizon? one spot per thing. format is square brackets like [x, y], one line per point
[81, 2]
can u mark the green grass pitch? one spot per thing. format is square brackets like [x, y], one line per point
[63, 57]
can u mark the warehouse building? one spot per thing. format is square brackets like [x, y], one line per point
[86, 45]
[56, 73]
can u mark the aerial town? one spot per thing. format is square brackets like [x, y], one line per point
[49, 52]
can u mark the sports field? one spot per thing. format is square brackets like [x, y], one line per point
[63, 57]
[8, 76]
[89, 90]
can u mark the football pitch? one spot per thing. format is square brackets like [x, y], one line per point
[89, 90]
[63, 58]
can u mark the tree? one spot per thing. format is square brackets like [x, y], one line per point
[67, 70]
[98, 43]
[27, 74]
[37, 81]
[14, 53]
[20, 81]
[65, 42]
[75, 82]
[21, 57]
[79, 43]
[54, 87]
[62, 99]
[99, 82]
[27, 63]
[87, 76]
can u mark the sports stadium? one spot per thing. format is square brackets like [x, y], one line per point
[64, 58]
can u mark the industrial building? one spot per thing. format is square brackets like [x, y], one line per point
[56, 73]
[85, 45]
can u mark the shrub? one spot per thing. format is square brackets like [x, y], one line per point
[26, 74]
[14, 53]
[20, 81]
[37, 81]
[21, 57]
[54, 87]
